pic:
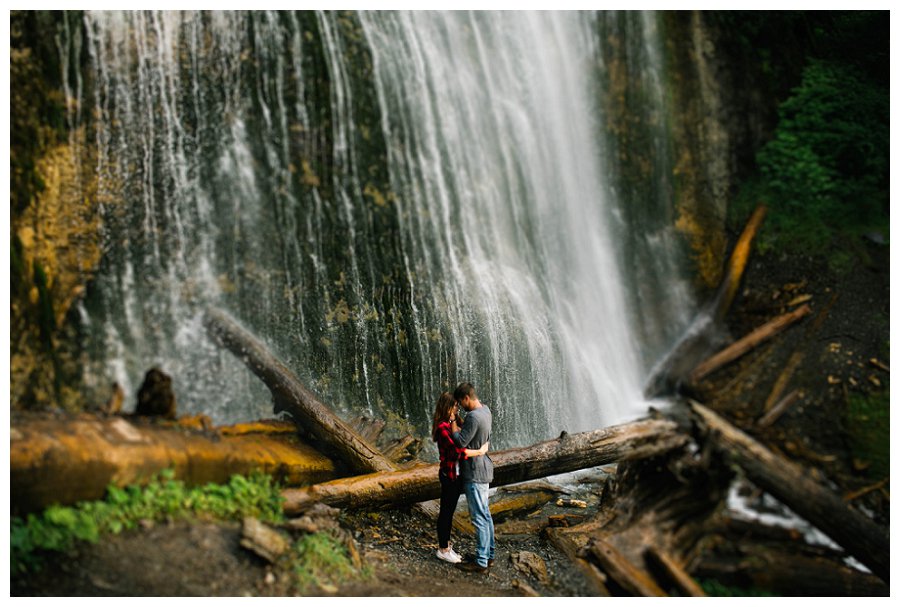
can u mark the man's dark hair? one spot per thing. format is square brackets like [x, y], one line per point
[464, 389]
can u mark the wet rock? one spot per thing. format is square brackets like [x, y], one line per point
[530, 564]
[263, 540]
[155, 397]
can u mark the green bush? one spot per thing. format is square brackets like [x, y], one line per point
[321, 560]
[59, 527]
[825, 173]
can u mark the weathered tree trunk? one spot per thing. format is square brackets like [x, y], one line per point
[778, 410]
[737, 263]
[68, 460]
[633, 580]
[668, 502]
[565, 454]
[306, 410]
[748, 342]
[673, 572]
[791, 484]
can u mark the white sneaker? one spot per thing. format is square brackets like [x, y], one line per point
[449, 556]
[457, 558]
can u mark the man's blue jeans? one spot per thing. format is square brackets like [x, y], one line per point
[477, 501]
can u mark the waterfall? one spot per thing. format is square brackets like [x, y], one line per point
[393, 201]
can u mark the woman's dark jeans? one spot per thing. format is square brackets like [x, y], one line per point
[450, 492]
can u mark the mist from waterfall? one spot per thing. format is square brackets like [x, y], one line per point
[393, 201]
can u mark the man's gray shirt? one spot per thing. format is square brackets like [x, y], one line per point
[476, 431]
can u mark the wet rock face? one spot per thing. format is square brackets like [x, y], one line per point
[155, 397]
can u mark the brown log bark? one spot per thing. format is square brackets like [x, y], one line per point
[403, 449]
[631, 579]
[307, 411]
[71, 459]
[565, 454]
[791, 484]
[517, 503]
[369, 429]
[673, 573]
[778, 410]
[748, 342]
[737, 263]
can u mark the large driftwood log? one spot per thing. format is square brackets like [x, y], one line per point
[74, 458]
[632, 579]
[672, 572]
[307, 411]
[791, 484]
[565, 454]
[748, 342]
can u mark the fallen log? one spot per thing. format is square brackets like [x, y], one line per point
[778, 410]
[669, 502]
[307, 411]
[673, 573]
[791, 484]
[748, 342]
[634, 581]
[64, 460]
[672, 373]
[737, 263]
[567, 453]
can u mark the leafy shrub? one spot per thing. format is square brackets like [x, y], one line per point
[321, 560]
[59, 527]
[825, 172]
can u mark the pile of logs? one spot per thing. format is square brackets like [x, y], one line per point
[667, 505]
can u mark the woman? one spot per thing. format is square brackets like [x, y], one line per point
[442, 428]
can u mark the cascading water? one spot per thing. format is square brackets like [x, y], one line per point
[394, 202]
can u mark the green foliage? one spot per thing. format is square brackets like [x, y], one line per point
[322, 560]
[715, 588]
[59, 527]
[825, 173]
[869, 426]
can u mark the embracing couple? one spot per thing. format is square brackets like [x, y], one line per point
[465, 468]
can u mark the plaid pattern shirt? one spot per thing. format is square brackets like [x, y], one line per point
[450, 453]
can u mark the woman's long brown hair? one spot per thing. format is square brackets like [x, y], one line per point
[442, 410]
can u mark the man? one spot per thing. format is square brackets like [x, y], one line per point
[477, 474]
